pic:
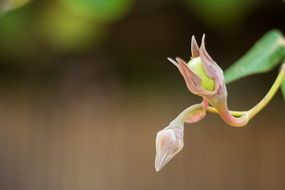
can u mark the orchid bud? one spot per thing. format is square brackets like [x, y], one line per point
[205, 78]
[202, 75]
[169, 141]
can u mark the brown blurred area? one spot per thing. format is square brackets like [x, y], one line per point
[86, 118]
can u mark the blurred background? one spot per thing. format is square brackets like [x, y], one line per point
[85, 86]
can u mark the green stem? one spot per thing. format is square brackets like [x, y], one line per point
[233, 113]
[253, 111]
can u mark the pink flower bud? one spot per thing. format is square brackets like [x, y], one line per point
[210, 71]
[169, 141]
[199, 81]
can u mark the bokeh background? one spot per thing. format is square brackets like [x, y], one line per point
[85, 86]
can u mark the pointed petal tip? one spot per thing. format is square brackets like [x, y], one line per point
[158, 163]
[172, 61]
[194, 47]
[157, 169]
[203, 41]
[179, 60]
[206, 58]
[193, 38]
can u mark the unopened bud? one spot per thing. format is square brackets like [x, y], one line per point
[205, 78]
[202, 75]
[169, 141]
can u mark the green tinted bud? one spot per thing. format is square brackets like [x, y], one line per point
[196, 66]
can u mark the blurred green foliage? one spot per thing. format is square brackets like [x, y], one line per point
[221, 14]
[64, 25]
[67, 31]
[72, 25]
[15, 30]
[8, 5]
[99, 10]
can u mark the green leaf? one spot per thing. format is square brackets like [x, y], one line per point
[265, 54]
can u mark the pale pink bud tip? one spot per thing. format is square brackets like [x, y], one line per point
[169, 141]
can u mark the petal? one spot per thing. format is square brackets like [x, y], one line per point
[203, 50]
[211, 67]
[186, 73]
[172, 61]
[194, 47]
[193, 82]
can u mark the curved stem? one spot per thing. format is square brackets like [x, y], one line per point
[183, 115]
[233, 121]
[253, 111]
[233, 113]
[180, 119]
[278, 81]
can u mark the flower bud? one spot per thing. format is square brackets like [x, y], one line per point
[169, 141]
[205, 78]
[202, 75]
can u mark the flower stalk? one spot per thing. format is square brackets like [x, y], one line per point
[267, 98]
